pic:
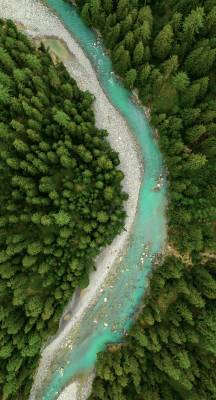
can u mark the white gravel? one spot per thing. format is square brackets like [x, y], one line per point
[70, 392]
[39, 21]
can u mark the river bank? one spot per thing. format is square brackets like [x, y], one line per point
[39, 22]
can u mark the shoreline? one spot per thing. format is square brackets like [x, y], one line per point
[82, 71]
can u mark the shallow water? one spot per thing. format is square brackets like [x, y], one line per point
[57, 47]
[124, 294]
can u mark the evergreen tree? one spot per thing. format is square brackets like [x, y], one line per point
[52, 160]
[171, 47]
[138, 54]
[163, 42]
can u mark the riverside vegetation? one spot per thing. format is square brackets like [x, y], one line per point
[167, 51]
[61, 201]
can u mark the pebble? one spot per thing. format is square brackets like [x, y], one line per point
[41, 23]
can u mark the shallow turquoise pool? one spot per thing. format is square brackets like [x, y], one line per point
[149, 229]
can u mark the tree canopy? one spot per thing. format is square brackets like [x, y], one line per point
[170, 351]
[166, 49]
[61, 200]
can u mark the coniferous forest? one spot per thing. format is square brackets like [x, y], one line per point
[61, 201]
[166, 50]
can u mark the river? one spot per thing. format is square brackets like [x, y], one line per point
[107, 319]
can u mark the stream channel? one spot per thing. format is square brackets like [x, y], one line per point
[110, 317]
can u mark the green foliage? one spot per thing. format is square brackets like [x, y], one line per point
[130, 78]
[61, 201]
[166, 50]
[163, 43]
[169, 351]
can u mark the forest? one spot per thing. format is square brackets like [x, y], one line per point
[165, 50]
[61, 201]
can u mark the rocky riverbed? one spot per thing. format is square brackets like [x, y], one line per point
[39, 22]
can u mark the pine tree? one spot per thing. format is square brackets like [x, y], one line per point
[163, 42]
[138, 54]
[48, 141]
[130, 78]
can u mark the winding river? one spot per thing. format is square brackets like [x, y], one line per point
[107, 320]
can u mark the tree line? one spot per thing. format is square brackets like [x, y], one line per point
[61, 201]
[166, 51]
[170, 351]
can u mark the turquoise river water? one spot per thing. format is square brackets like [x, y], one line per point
[148, 236]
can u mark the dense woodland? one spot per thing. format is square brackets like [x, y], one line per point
[170, 352]
[166, 50]
[61, 201]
